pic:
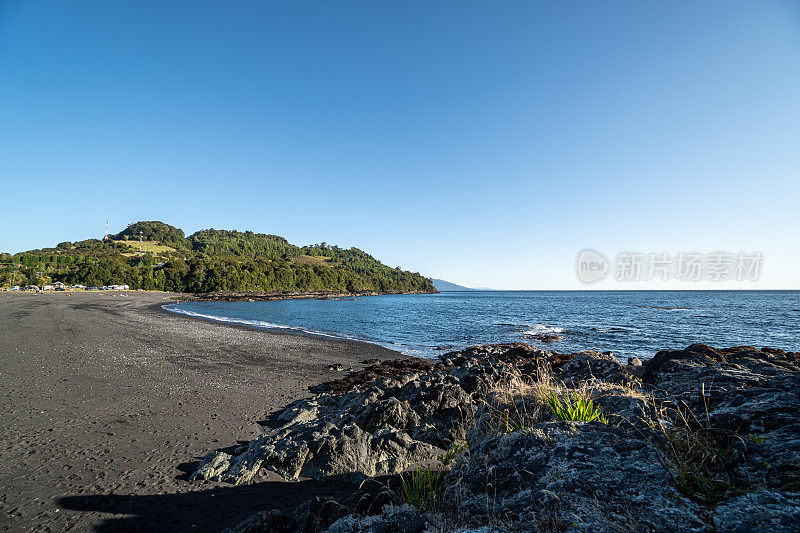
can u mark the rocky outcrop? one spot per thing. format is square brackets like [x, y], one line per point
[389, 425]
[393, 368]
[752, 395]
[573, 475]
[705, 440]
[545, 337]
[762, 510]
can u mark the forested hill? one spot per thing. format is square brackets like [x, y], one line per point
[209, 260]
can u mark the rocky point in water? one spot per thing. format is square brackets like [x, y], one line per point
[512, 438]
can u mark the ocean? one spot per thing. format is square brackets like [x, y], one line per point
[628, 323]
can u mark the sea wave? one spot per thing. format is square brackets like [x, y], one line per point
[538, 329]
[428, 325]
[261, 324]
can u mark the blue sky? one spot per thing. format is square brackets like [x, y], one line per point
[484, 143]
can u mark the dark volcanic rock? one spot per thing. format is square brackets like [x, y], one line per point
[751, 394]
[391, 520]
[588, 366]
[266, 521]
[526, 470]
[598, 476]
[391, 418]
[763, 511]
[546, 337]
[394, 368]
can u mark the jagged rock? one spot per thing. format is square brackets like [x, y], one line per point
[700, 369]
[390, 412]
[546, 474]
[266, 522]
[318, 514]
[384, 426]
[588, 366]
[402, 519]
[759, 512]
[377, 369]
[504, 353]
[372, 504]
[405, 521]
[625, 406]
[752, 395]
[212, 466]
[546, 337]
[591, 475]
[378, 431]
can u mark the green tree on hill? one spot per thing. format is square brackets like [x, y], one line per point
[153, 231]
[209, 260]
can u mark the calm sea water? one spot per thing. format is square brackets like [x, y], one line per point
[625, 322]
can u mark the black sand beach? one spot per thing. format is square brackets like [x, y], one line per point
[109, 401]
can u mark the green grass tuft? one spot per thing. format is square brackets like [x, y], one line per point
[455, 450]
[421, 487]
[574, 406]
[699, 452]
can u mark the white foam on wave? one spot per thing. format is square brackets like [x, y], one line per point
[262, 324]
[538, 329]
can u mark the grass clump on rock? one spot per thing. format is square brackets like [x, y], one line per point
[698, 452]
[423, 486]
[519, 403]
[574, 406]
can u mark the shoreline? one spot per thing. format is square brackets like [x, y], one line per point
[236, 296]
[110, 402]
[275, 329]
[254, 296]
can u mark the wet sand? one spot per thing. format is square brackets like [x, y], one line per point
[108, 402]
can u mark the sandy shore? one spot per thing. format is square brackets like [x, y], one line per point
[108, 402]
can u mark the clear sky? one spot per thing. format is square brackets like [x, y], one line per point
[485, 143]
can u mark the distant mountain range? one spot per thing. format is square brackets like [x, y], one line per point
[445, 286]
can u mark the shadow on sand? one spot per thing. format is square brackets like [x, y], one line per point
[211, 509]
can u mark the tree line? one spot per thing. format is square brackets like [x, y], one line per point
[209, 260]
